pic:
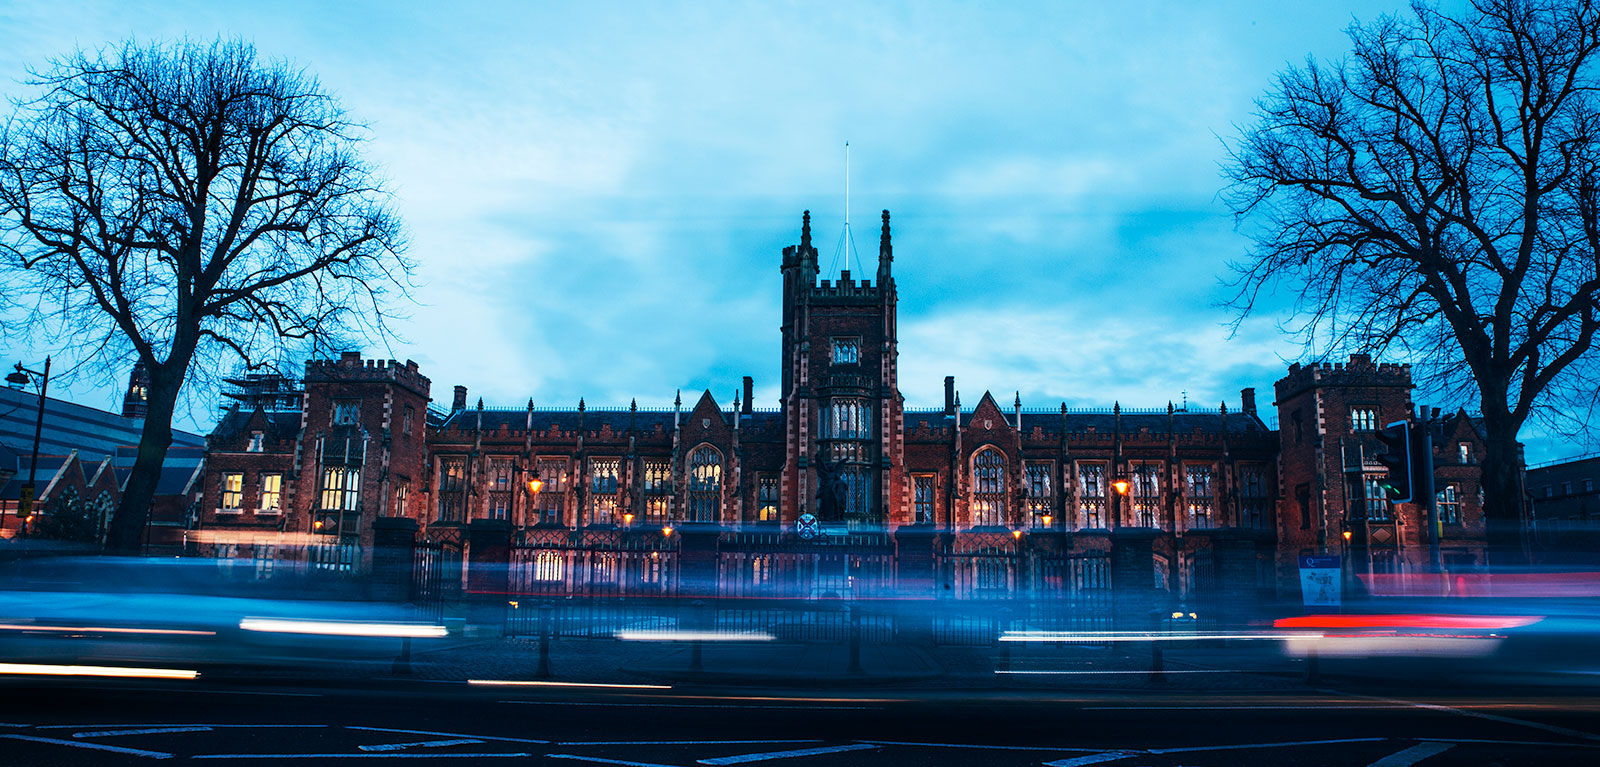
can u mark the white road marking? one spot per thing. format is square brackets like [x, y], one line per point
[973, 745]
[445, 734]
[145, 731]
[421, 744]
[94, 746]
[677, 742]
[1075, 761]
[687, 705]
[1567, 731]
[1409, 756]
[762, 757]
[1261, 745]
[358, 756]
[598, 760]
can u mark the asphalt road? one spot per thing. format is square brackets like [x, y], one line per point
[135, 722]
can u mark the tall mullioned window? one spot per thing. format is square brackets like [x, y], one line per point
[844, 418]
[1146, 492]
[1378, 507]
[922, 499]
[553, 491]
[1041, 495]
[603, 476]
[1200, 497]
[1254, 499]
[271, 493]
[232, 491]
[657, 489]
[1449, 503]
[452, 486]
[500, 488]
[1092, 493]
[989, 488]
[705, 485]
[767, 489]
[341, 488]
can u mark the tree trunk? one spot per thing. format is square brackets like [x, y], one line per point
[126, 535]
[1502, 491]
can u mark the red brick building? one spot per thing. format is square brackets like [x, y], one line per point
[927, 485]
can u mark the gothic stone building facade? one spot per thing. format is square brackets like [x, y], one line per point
[357, 443]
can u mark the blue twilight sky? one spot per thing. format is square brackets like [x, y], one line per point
[598, 193]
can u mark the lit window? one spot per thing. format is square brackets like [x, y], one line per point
[1200, 497]
[922, 493]
[255, 442]
[705, 485]
[1092, 493]
[552, 494]
[767, 504]
[603, 473]
[346, 411]
[402, 491]
[500, 488]
[846, 419]
[1146, 492]
[1377, 500]
[657, 489]
[989, 488]
[1464, 452]
[232, 491]
[271, 493]
[1449, 503]
[1041, 497]
[1363, 419]
[341, 488]
[846, 351]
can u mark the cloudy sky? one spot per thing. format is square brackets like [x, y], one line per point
[598, 193]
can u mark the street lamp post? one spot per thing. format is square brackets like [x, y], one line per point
[20, 377]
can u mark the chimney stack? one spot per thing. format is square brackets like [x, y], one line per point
[1247, 397]
[749, 391]
[460, 401]
[949, 395]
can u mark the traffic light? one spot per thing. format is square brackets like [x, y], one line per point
[1396, 458]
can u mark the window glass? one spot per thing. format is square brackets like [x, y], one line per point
[232, 491]
[1040, 491]
[922, 499]
[1378, 507]
[1146, 494]
[657, 488]
[767, 488]
[452, 487]
[346, 411]
[1199, 495]
[1092, 494]
[1254, 500]
[989, 488]
[553, 491]
[603, 474]
[1448, 502]
[705, 485]
[1364, 418]
[500, 488]
[846, 351]
[271, 492]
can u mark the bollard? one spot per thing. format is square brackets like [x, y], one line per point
[402, 664]
[855, 639]
[1004, 661]
[696, 654]
[546, 628]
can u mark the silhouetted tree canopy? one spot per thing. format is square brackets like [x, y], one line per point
[189, 205]
[1435, 195]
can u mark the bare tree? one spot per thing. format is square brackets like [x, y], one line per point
[185, 205]
[1437, 195]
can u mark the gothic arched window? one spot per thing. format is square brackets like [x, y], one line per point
[705, 484]
[988, 487]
